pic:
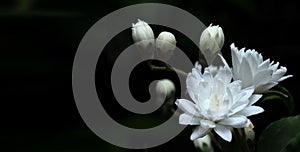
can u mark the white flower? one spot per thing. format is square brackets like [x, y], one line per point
[165, 44]
[143, 37]
[252, 70]
[211, 42]
[204, 144]
[218, 103]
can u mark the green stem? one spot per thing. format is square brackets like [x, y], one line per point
[168, 68]
[215, 141]
[240, 137]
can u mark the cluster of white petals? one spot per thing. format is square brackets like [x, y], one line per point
[218, 103]
[249, 67]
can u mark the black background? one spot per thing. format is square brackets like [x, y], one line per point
[39, 39]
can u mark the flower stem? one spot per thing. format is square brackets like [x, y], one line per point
[240, 137]
[215, 141]
[168, 68]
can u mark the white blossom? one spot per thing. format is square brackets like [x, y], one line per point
[249, 67]
[217, 103]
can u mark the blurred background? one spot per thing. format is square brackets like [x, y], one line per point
[39, 39]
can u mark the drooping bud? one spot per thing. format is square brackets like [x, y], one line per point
[143, 38]
[204, 144]
[211, 42]
[165, 44]
[249, 132]
[165, 91]
[165, 88]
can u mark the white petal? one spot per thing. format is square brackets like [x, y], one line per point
[230, 97]
[234, 121]
[251, 110]
[235, 61]
[285, 77]
[264, 65]
[192, 83]
[241, 100]
[274, 66]
[247, 93]
[265, 87]
[207, 124]
[223, 132]
[253, 61]
[223, 60]
[224, 74]
[186, 119]
[238, 106]
[199, 132]
[235, 87]
[219, 87]
[279, 73]
[245, 73]
[187, 106]
[254, 98]
[262, 77]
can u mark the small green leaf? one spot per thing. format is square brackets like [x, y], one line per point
[280, 135]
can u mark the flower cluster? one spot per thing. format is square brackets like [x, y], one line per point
[223, 97]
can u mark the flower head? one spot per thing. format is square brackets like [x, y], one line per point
[211, 42]
[217, 103]
[249, 67]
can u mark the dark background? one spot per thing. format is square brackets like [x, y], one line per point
[39, 39]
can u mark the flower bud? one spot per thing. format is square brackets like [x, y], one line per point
[211, 42]
[250, 134]
[204, 144]
[165, 44]
[165, 93]
[165, 88]
[143, 37]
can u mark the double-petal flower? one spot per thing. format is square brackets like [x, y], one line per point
[217, 103]
[249, 67]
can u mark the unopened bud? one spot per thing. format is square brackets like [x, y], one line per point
[211, 42]
[165, 88]
[165, 91]
[204, 144]
[250, 134]
[143, 37]
[165, 44]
